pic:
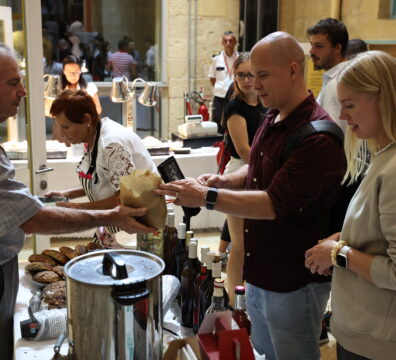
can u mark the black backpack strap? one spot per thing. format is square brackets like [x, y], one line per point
[308, 129]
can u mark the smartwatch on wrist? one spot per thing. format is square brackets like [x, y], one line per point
[211, 198]
[342, 258]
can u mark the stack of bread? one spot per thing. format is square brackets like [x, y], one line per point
[47, 268]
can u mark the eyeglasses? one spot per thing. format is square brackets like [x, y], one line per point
[243, 76]
[72, 73]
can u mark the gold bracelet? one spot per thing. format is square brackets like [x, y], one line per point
[335, 250]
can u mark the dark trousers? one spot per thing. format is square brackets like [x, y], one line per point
[9, 282]
[343, 354]
[217, 115]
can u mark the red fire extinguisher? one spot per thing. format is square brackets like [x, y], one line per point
[203, 110]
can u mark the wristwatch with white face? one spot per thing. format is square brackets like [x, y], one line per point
[342, 258]
[211, 198]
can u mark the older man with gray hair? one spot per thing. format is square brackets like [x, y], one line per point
[22, 213]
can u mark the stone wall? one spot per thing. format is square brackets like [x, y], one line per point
[365, 19]
[214, 17]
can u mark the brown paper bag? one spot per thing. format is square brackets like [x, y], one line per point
[136, 190]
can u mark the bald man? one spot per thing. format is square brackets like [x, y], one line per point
[281, 203]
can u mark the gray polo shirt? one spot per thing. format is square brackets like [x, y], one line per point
[17, 205]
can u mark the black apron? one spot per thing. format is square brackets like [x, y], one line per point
[90, 177]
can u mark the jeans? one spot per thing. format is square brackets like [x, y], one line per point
[9, 281]
[287, 326]
[343, 354]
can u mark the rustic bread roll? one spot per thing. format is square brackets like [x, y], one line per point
[68, 252]
[38, 266]
[57, 255]
[59, 270]
[46, 277]
[81, 249]
[55, 295]
[93, 246]
[137, 190]
[42, 258]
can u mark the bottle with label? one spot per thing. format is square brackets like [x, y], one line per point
[197, 282]
[151, 243]
[179, 257]
[170, 243]
[239, 313]
[188, 276]
[216, 274]
[217, 302]
[204, 285]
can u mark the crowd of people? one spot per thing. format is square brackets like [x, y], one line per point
[278, 207]
[99, 60]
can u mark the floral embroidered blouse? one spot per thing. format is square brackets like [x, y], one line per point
[120, 151]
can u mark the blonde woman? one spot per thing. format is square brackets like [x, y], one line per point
[364, 253]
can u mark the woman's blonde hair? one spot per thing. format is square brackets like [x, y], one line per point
[373, 73]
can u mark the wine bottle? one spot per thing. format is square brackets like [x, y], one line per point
[217, 301]
[216, 274]
[239, 313]
[189, 236]
[204, 285]
[151, 243]
[170, 243]
[197, 282]
[179, 256]
[189, 273]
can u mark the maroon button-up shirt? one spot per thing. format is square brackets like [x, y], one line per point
[303, 190]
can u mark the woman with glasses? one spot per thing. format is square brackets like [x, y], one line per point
[241, 120]
[72, 79]
[112, 151]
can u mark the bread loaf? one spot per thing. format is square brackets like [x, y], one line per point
[68, 252]
[57, 255]
[42, 258]
[38, 266]
[46, 277]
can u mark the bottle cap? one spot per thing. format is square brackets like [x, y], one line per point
[170, 219]
[204, 252]
[181, 231]
[239, 290]
[209, 259]
[192, 250]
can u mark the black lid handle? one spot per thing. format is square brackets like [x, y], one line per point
[113, 260]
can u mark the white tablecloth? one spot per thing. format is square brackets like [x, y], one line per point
[200, 161]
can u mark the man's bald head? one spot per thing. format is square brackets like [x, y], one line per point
[281, 47]
[278, 66]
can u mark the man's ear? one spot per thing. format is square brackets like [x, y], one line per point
[338, 49]
[294, 68]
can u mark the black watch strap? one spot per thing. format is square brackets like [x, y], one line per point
[211, 198]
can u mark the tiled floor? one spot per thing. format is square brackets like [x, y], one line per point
[209, 238]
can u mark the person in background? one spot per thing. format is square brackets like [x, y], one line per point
[280, 202]
[363, 293]
[50, 66]
[329, 39]
[354, 47]
[22, 213]
[112, 152]
[73, 80]
[136, 55]
[99, 58]
[221, 75]
[150, 60]
[121, 63]
[242, 117]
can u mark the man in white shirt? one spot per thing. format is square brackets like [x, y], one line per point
[329, 39]
[221, 74]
